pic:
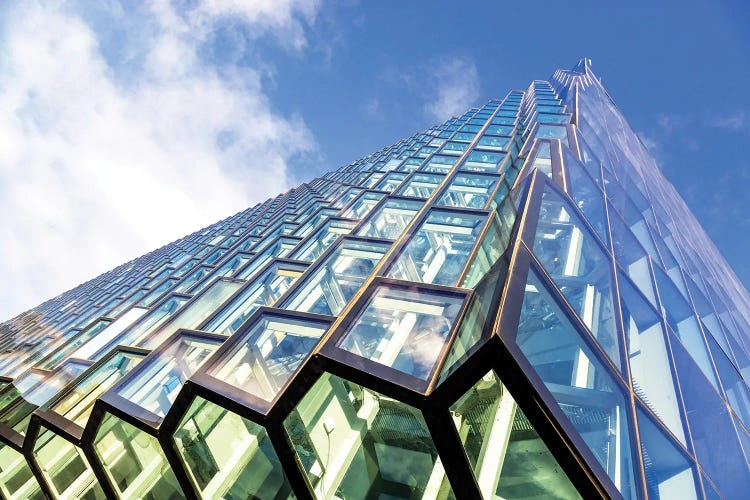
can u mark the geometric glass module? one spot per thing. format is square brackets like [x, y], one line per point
[404, 327]
[507, 456]
[227, 456]
[353, 442]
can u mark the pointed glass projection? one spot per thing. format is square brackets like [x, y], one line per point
[264, 290]
[227, 456]
[579, 267]
[405, 327]
[353, 442]
[586, 391]
[261, 358]
[337, 278]
[508, 457]
[440, 248]
[314, 245]
[588, 197]
[65, 468]
[421, 185]
[391, 218]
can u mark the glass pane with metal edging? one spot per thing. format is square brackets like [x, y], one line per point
[580, 383]
[336, 280]
[227, 456]
[508, 457]
[266, 355]
[390, 220]
[65, 468]
[323, 238]
[155, 385]
[440, 248]
[404, 328]
[353, 442]
[17, 482]
[469, 191]
[134, 462]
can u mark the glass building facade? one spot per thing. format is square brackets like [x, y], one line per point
[513, 304]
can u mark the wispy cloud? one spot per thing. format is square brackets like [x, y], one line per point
[732, 121]
[454, 87]
[112, 148]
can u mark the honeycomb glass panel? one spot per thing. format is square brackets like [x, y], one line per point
[508, 457]
[77, 403]
[264, 357]
[264, 291]
[134, 462]
[227, 456]
[65, 468]
[155, 385]
[338, 278]
[580, 383]
[390, 220]
[437, 253]
[404, 328]
[355, 443]
[17, 482]
[579, 268]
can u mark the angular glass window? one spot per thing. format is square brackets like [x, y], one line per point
[262, 358]
[65, 468]
[314, 246]
[631, 256]
[263, 291]
[93, 348]
[421, 185]
[194, 312]
[493, 143]
[192, 278]
[363, 205]
[152, 320]
[439, 164]
[278, 248]
[76, 404]
[227, 456]
[579, 268]
[84, 336]
[587, 393]
[508, 457]
[404, 327]
[330, 285]
[353, 442]
[483, 161]
[469, 191]
[134, 461]
[649, 358]
[16, 479]
[390, 220]
[159, 378]
[440, 248]
[391, 182]
[669, 473]
[588, 197]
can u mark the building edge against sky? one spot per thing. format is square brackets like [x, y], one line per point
[513, 304]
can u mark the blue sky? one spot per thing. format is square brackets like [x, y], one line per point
[126, 125]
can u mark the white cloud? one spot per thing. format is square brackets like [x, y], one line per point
[107, 155]
[453, 87]
[734, 121]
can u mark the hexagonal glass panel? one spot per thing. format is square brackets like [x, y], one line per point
[263, 358]
[508, 457]
[404, 327]
[134, 462]
[263, 291]
[329, 287]
[159, 378]
[355, 443]
[227, 456]
[65, 468]
[439, 250]
[77, 403]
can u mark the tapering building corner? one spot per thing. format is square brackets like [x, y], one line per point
[513, 304]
